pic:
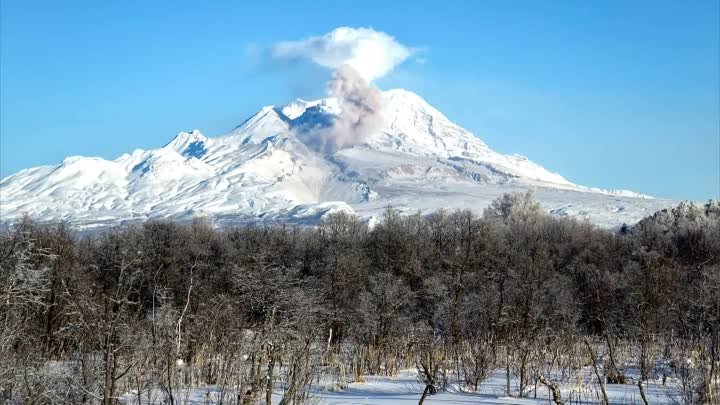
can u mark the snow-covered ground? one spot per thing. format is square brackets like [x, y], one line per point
[405, 389]
[266, 171]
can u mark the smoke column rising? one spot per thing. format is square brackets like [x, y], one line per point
[360, 115]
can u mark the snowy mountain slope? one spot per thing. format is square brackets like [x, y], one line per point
[266, 170]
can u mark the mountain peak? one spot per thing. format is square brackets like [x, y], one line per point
[189, 144]
[402, 98]
[404, 94]
[266, 122]
[297, 107]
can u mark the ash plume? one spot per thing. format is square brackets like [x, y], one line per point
[361, 110]
[359, 115]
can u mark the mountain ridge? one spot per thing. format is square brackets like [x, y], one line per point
[266, 169]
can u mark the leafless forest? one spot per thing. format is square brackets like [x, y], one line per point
[159, 309]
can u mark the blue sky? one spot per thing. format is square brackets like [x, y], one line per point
[609, 94]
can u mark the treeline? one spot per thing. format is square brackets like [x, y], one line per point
[157, 310]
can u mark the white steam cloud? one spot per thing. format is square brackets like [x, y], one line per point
[372, 54]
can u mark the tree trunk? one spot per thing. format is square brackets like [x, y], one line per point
[554, 389]
[429, 390]
[270, 381]
[642, 391]
[643, 369]
[507, 371]
[601, 380]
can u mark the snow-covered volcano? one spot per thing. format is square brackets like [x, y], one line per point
[264, 171]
